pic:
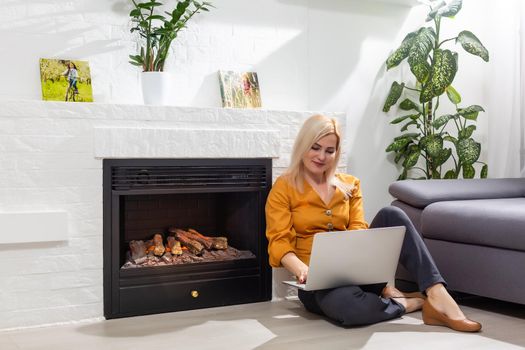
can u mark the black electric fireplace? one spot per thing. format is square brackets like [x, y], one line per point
[153, 203]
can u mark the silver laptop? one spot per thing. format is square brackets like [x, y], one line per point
[355, 257]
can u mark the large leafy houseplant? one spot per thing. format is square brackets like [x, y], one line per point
[158, 29]
[429, 137]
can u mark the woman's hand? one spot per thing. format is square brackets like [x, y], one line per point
[302, 276]
[293, 264]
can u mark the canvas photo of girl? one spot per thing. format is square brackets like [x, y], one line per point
[65, 80]
[239, 89]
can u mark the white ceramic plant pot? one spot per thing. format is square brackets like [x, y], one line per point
[157, 88]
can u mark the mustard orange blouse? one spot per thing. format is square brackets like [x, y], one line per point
[293, 218]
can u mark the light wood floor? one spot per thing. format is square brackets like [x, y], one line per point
[275, 325]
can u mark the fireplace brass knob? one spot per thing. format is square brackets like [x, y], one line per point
[194, 294]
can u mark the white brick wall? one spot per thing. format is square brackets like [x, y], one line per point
[236, 35]
[48, 162]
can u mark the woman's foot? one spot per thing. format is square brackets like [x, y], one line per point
[410, 301]
[443, 303]
[393, 292]
[440, 309]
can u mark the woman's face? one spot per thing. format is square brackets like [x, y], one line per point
[321, 156]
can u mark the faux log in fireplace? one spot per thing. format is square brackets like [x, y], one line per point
[183, 234]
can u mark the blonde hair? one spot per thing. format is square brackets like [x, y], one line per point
[315, 128]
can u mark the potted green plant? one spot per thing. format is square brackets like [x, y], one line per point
[157, 28]
[429, 137]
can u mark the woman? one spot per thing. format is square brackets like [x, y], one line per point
[309, 198]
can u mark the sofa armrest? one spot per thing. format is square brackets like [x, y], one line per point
[420, 193]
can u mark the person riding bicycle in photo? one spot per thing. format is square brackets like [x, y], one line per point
[71, 73]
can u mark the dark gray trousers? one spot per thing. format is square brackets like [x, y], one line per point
[362, 305]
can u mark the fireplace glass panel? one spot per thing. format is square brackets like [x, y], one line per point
[232, 215]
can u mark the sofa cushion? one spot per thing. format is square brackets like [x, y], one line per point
[488, 222]
[419, 193]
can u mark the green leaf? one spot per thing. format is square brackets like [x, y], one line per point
[149, 5]
[179, 11]
[435, 10]
[137, 59]
[453, 95]
[484, 171]
[440, 121]
[410, 135]
[152, 17]
[395, 92]
[451, 174]
[421, 70]
[422, 143]
[472, 45]
[408, 105]
[405, 127]
[135, 13]
[183, 5]
[471, 112]
[168, 26]
[162, 31]
[468, 171]
[402, 51]
[400, 119]
[433, 145]
[411, 159]
[451, 9]
[466, 132]
[468, 151]
[444, 155]
[450, 139]
[443, 72]
[419, 51]
[398, 145]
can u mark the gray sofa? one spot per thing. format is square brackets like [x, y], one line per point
[474, 229]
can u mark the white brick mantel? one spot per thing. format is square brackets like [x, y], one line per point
[51, 162]
[161, 142]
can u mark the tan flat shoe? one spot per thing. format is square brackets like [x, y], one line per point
[433, 317]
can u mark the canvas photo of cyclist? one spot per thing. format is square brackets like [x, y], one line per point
[65, 80]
